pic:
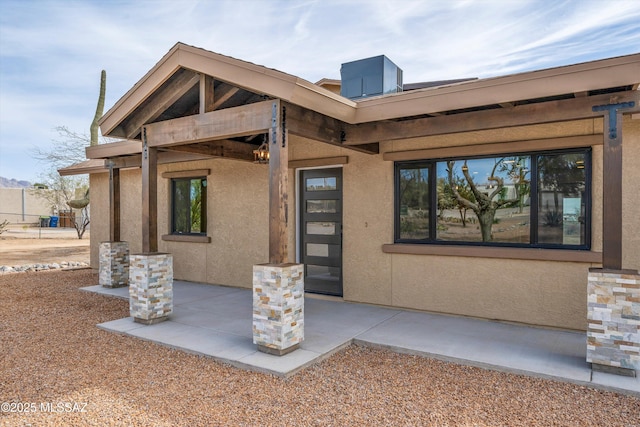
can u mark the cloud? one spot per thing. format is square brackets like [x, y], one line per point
[52, 51]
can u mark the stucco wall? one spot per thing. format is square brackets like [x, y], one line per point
[528, 291]
[99, 185]
[630, 194]
[23, 206]
[237, 207]
[536, 292]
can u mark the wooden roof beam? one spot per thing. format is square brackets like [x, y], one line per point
[521, 115]
[223, 95]
[164, 157]
[113, 149]
[163, 99]
[220, 124]
[207, 94]
[227, 149]
[310, 124]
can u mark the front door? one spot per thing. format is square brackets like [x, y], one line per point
[321, 230]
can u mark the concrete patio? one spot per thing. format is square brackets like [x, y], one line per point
[216, 321]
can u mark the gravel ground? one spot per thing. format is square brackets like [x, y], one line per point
[54, 359]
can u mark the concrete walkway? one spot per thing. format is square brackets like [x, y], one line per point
[216, 321]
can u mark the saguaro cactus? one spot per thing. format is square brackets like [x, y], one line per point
[99, 108]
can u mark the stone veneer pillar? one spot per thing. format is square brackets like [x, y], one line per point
[278, 307]
[613, 335]
[114, 264]
[151, 287]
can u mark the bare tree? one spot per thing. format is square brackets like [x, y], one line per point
[3, 226]
[61, 190]
[484, 205]
[70, 149]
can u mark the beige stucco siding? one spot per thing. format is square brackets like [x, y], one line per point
[237, 207]
[237, 211]
[99, 185]
[368, 224]
[631, 194]
[535, 292]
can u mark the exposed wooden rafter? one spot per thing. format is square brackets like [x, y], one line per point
[522, 115]
[224, 94]
[163, 99]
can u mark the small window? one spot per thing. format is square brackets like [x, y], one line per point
[414, 201]
[189, 206]
[529, 199]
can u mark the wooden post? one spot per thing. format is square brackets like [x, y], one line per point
[278, 186]
[612, 196]
[149, 196]
[612, 185]
[207, 101]
[114, 203]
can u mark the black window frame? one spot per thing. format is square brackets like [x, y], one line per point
[203, 206]
[431, 164]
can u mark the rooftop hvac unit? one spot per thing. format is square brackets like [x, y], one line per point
[370, 77]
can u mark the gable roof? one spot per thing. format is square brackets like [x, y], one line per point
[567, 81]
[240, 73]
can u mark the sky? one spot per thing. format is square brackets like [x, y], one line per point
[52, 52]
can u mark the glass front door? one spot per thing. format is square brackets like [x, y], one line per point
[321, 230]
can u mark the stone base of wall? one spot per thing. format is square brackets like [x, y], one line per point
[613, 335]
[151, 287]
[278, 307]
[114, 264]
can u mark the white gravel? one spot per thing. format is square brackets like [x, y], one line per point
[60, 367]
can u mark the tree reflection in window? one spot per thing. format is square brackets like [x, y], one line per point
[525, 199]
[189, 206]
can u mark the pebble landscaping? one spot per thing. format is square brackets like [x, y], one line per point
[54, 357]
[40, 267]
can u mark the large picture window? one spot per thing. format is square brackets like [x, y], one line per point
[189, 206]
[525, 199]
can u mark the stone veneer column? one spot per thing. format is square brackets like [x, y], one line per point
[278, 307]
[114, 264]
[613, 337]
[151, 287]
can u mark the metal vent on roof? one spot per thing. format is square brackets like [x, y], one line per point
[370, 77]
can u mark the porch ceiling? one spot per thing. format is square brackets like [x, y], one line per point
[179, 96]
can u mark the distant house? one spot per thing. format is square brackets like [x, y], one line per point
[366, 189]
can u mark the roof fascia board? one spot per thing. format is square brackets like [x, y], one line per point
[113, 149]
[150, 82]
[244, 74]
[84, 167]
[263, 80]
[523, 115]
[600, 74]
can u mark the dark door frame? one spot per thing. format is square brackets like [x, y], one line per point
[298, 223]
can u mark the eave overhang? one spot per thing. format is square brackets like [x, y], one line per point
[255, 78]
[85, 167]
[503, 93]
[571, 79]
